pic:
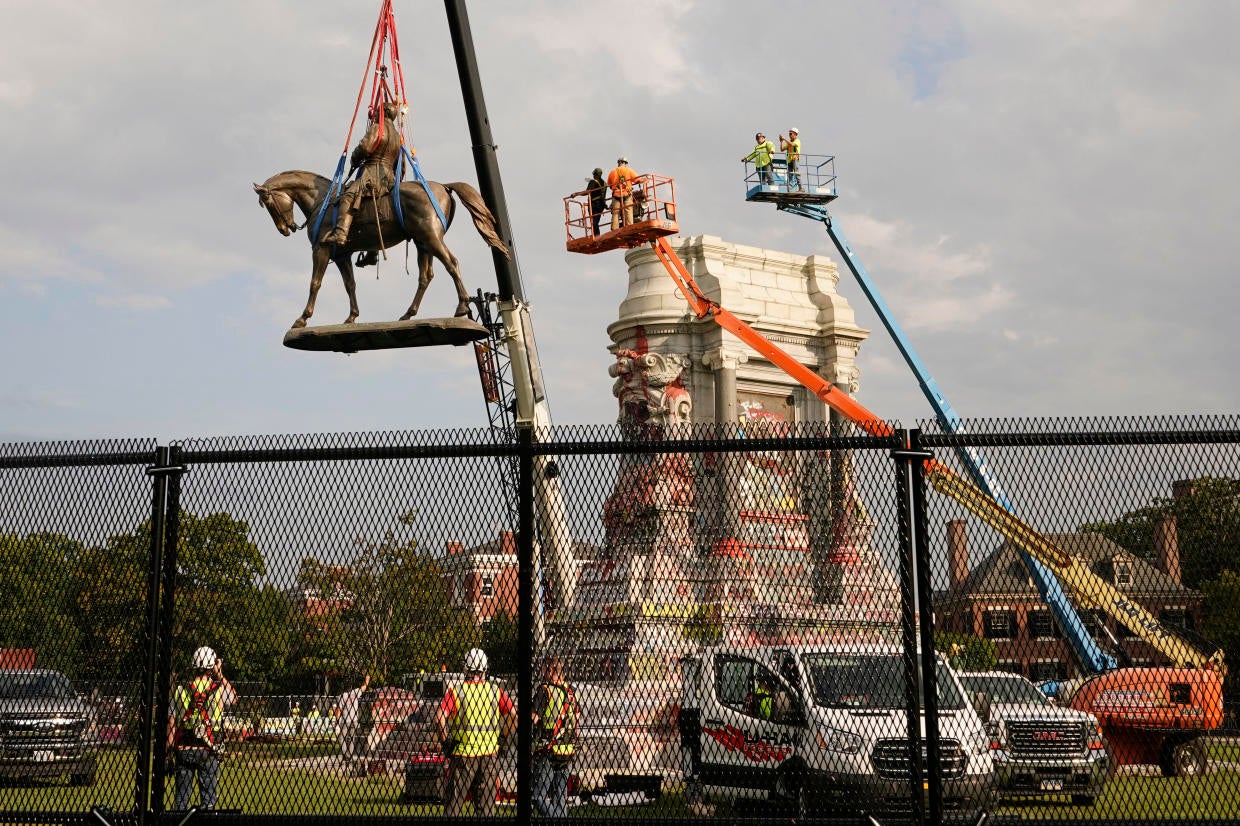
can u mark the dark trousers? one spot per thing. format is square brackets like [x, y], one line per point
[472, 774]
[596, 212]
[204, 765]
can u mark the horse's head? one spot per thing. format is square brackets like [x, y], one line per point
[279, 205]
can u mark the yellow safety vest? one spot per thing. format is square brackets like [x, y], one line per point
[559, 720]
[476, 724]
[794, 149]
[761, 154]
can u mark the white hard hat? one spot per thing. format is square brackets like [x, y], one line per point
[794, 129]
[475, 660]
[205, 657]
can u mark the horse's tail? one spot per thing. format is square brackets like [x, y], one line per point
[484, 221]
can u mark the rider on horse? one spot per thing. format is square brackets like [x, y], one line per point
[377, 153]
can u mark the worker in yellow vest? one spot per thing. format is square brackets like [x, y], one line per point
[792, 146]
[555, 740]
[761, 157]
[472, 718]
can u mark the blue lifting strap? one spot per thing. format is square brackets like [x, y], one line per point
[407, 159]
[332, 192]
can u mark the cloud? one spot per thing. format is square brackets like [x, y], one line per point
[619, 37]
[889, 245]
[134, 302]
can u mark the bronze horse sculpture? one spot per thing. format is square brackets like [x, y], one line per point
[422, 226]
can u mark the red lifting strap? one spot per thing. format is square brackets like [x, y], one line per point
[384, 40]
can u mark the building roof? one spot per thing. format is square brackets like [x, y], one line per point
[501, 552]
[1004, 573]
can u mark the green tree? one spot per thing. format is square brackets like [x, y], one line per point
[391, 612]
[109, 597]
[1222, 623]
[1208, 529]
[499, 640]
[967, 652]
[36, 611]
[1207, 524]
[217, 598]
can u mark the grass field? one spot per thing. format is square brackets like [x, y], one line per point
[309, 779]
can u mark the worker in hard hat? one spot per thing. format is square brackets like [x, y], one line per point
[622, 180]
[376, 153]
[596, 188]
[556, 717]
[792, 146]
[472, 718]
[761, 697]
[761, 157]
[195, 729]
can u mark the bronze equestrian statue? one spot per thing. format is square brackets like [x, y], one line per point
[367, 220]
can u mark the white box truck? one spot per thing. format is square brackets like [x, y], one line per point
[825, 728]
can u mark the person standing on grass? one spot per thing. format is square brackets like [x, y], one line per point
[555, 740]
[472, 718]
[346, 722]
[195, 729]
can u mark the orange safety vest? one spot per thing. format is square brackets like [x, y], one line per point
[620, 180]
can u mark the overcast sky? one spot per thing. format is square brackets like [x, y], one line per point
[1046, 194]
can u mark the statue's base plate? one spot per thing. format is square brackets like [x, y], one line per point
[385, 335]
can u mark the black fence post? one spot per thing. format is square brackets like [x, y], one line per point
[925, 603]
[151, 748]
[172, 471]
[146, 709]
[525, 623]
[908, 627]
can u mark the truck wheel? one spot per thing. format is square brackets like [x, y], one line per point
[790, 790]
[1189, 759]
[694, 794]
[1083, 800]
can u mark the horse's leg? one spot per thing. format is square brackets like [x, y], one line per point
[322, 254]
[441, 251]
[345, 265]
[425, 274]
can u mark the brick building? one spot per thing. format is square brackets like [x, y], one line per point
[483, 579]
[997, 600]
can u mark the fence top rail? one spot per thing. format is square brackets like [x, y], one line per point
[65, 460]
[1080, 438]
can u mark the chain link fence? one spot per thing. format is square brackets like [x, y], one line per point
[682, 624]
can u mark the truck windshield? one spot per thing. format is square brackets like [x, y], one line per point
[19, 685]
[1000, 689]
[870, 681]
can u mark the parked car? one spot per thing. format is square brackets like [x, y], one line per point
[414, 747]
[1038, 747]
[823, 727]
[46, 729]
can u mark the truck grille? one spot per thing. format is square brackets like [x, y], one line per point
[1033, 739]
[891, 758]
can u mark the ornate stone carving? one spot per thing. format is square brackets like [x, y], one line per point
[650, 389]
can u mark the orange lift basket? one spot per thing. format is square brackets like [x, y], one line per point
[654, 217]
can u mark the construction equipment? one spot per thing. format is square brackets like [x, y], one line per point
[1162, 710]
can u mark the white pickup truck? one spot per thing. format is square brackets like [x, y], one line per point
[823, 727]
[1038, 747]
